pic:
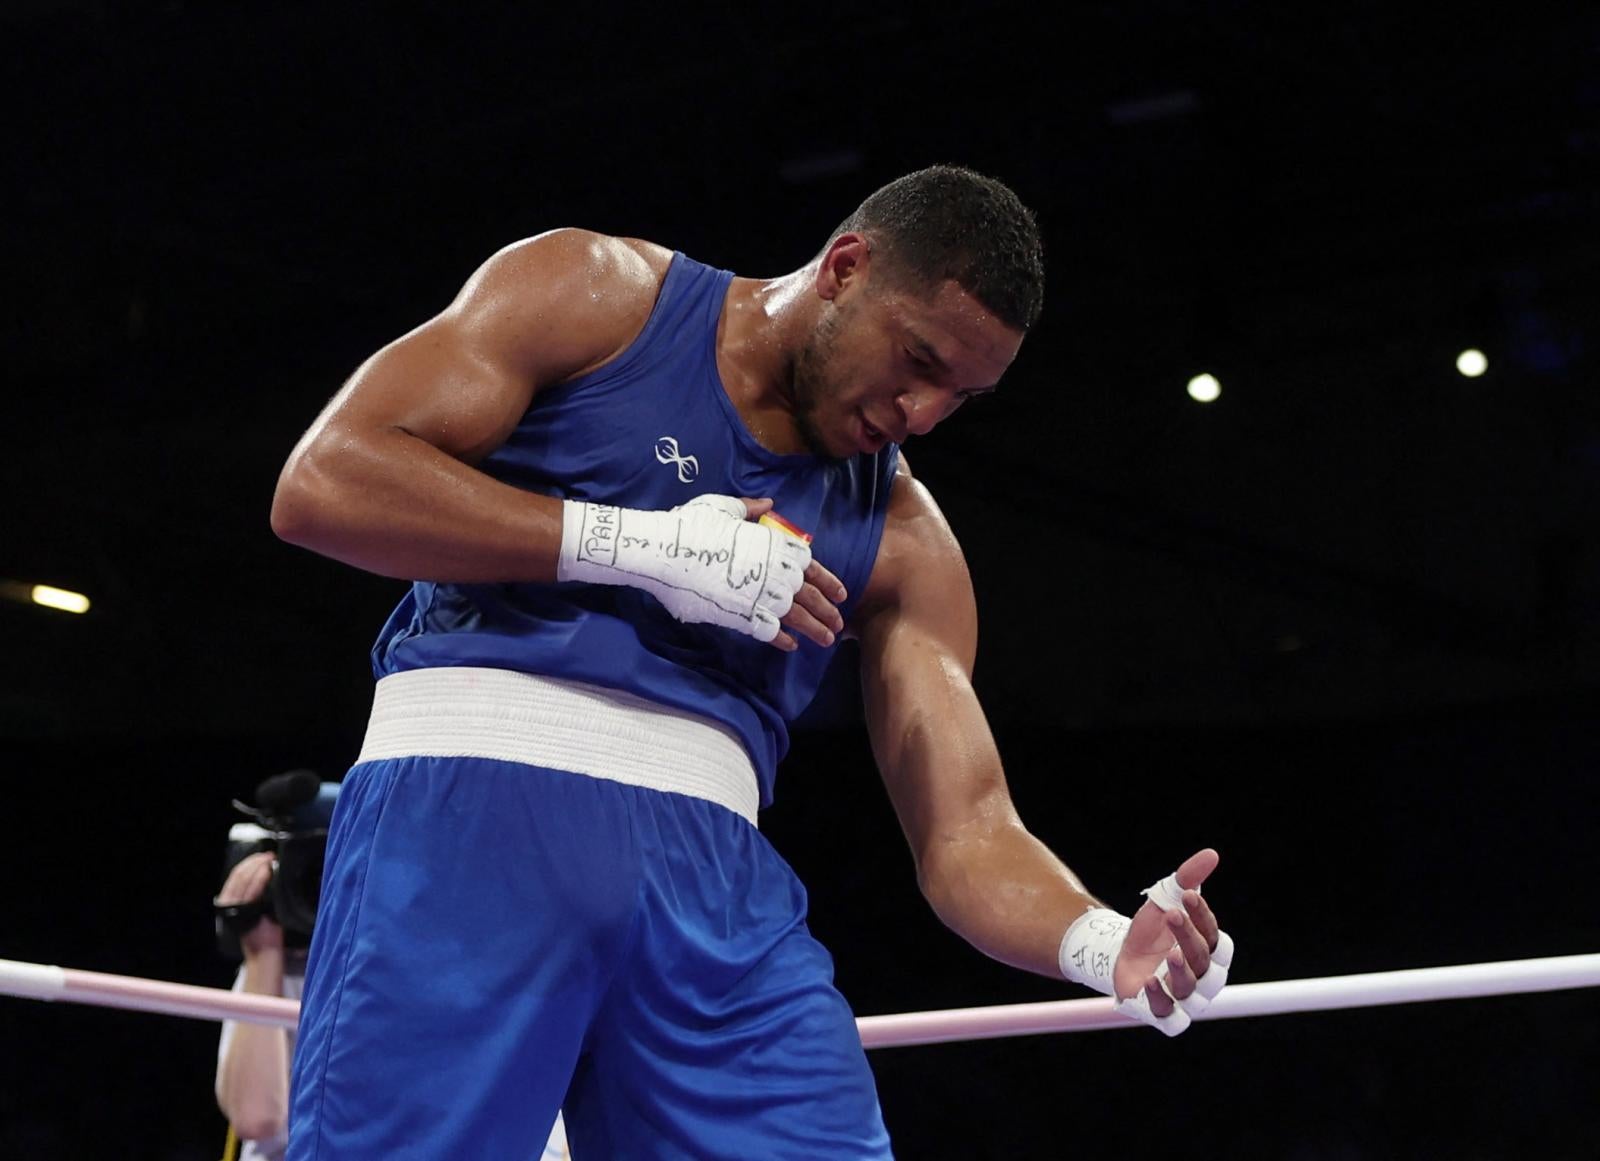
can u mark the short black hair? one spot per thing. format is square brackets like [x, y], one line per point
[949, 222]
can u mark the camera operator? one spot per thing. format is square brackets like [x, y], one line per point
[253, 1059]
[265, 911]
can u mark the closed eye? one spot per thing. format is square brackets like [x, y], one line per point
[935, 371]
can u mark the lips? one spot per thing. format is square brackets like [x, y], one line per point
[872, 438]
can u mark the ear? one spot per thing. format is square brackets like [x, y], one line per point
[844, 262]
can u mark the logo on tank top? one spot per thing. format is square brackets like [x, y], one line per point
[667, 453]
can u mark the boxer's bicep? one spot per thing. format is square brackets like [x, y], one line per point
[538, 312]
[918, 632]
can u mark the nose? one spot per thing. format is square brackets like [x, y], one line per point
[921, 408]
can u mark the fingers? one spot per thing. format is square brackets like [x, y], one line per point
[1176, 932]
[813, 615]
[1197, 868]
[810, 615]
[1192, 949]
[1178, 983]
[1180, 977]
[1160, 1003]
[808, 626]
[826, 584]
[813, 611]
[247, 880]
[1203, 919]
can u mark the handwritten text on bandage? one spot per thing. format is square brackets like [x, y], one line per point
[602, 538]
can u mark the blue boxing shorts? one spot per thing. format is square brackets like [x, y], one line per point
[497, 941]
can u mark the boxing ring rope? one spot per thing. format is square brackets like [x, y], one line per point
[1277, 998]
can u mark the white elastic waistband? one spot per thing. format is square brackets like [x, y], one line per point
[468, 712]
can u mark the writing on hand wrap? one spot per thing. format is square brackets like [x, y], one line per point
[729, 578]
[1097, 959]
[597, 540]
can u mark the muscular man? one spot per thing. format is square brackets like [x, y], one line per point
[545, 886]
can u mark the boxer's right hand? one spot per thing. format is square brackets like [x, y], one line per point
[706, 562]
[815, 613]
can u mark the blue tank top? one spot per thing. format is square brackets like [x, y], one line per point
[653, 429]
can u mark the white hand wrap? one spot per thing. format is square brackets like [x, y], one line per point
[1166, 894]
[1092, 944]
[1090, 948]
[704, 561]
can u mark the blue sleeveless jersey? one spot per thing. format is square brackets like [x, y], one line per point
[653, 429]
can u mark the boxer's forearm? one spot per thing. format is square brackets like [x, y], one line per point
[1004, 892]
[984, 874]
[388, 502]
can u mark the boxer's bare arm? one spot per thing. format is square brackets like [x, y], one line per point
[383, 480]
[984, 874]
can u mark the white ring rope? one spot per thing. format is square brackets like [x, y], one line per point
[1281, 997]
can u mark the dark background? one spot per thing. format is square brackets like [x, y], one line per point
[1342, 624]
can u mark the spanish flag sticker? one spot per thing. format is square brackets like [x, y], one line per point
[773, 520]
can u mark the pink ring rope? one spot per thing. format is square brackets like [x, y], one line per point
[1277, 998]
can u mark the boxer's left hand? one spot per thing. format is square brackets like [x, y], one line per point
[1184, 939]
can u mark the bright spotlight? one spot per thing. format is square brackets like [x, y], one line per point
[63, 599]
[1204, 388]
[1472, 363]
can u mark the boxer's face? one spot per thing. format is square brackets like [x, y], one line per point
[884, 363]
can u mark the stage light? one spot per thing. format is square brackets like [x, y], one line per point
[1472, 363]
[1204, 388]
[63, 599]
